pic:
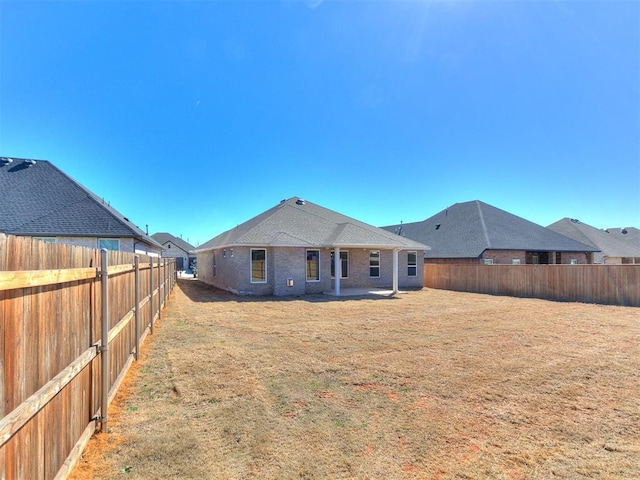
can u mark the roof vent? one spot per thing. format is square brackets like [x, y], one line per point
[623, 231]
[300, 201]
[437, 226]
[5, 161]
[574, 220]
[28, 163]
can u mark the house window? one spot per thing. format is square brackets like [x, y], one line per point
[412, 264]
[344, 265]
[46, 239]
[215, 265]
[169, 246]
[488, 261]
[515, 261]
[573, 261]
[109, 243]
[258, 265]
[374, 263]
[313, 265]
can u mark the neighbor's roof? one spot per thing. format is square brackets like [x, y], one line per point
[296, 222]
[38, 199]
[612, 242]
[465, 230]
[164, 238]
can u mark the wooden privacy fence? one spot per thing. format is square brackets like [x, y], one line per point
[604, 284]
[71, 320]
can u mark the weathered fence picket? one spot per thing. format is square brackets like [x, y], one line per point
[70, 320]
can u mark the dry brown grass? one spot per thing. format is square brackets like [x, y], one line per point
[431, 384]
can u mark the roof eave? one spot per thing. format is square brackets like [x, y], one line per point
[368, 246]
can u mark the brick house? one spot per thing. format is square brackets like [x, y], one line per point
[615, 245]
[40, 201]
[296, 247]
[475, 232]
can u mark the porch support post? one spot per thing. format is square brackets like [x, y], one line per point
[337, 267]
[395, 271]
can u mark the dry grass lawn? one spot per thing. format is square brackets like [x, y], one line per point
[430, 384]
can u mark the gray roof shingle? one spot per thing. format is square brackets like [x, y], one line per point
[612, 242]
[295, 222]
[465, 230]
[38, 199]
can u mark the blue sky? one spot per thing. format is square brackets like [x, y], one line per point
[194, 116]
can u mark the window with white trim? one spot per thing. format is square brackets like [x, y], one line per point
[258, 265]
[488, 261]
[412, 264]
[344, 264]
[313, 265]
[374, 263]
[515, 261]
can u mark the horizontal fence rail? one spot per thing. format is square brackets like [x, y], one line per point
[602, 284]
[72, 320]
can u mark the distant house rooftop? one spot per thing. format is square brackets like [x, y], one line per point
[466, 230]
[164, 238]
[620, 242]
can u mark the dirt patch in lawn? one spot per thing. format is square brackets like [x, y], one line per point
[429, 384]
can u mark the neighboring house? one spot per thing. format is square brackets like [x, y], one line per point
[475, 232]
[38, 200]
[616, 245]
[175, 247]
[296, 247]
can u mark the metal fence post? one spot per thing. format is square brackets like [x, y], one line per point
[151, 294]
[104, 341]
[159, 296]
[164, 280]
[136, 265]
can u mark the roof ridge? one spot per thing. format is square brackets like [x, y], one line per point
[267, 214]
[483, 223]
[100, 202]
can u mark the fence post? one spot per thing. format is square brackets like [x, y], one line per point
[164, 280]
[136, 265]
[159, 285]
[104, 341]
[151, 294]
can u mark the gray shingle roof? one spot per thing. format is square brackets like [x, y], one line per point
[612, 242]
[465, 230]
[301, 223]
[38, 199]
[164, 238]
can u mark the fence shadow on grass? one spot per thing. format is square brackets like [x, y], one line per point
[199, 291]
